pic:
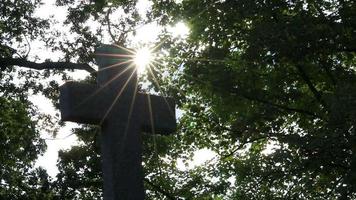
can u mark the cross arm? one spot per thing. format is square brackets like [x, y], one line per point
[80, 102]
[158, 114]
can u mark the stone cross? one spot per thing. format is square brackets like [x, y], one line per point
[122, 112]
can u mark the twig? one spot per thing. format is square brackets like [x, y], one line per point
[240, 146]
[29, 46]
[62, 138]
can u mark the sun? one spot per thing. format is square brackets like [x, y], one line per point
[143, 58]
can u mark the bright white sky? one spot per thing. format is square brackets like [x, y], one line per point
[145, 35]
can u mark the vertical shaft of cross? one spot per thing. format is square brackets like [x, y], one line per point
[121, 141]
[123, 113]
[121, 157]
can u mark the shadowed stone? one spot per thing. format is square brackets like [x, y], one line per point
[123, 113]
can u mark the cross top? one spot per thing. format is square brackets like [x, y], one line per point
[115, 66]
[122, 112]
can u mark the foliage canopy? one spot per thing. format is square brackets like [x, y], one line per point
[267, 85]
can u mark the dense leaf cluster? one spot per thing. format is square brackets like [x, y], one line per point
[20, 146]
[271, 74]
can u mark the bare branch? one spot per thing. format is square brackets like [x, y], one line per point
[6, 62]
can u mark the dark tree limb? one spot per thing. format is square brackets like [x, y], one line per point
[240, 146]
[349, 50]
[307, 80]
[328, 73]
[107, 17]
[254, 98]
[278, 106]
[160, 190]
[6, 62]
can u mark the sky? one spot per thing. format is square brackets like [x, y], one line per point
[65, 139]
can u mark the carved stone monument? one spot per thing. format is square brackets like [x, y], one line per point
[123, 113]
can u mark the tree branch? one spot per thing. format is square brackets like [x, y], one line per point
[278, 106]
[248, 97]
[349, 49]
[107, 17]
[307, 80]
[6, 62]
[240, 146]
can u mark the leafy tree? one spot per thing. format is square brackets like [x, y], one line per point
[20, 122]
[80, 174]
[267, 85]
[258, 73]
[20, 145]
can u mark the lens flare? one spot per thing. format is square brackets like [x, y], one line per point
[143, 58]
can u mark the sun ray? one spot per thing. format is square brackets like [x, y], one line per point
[114, 65]
[200, 59]
[132, 104]
[150, 110]
[101, 88]
[151, 114]
[159, 44]
[159, 87]
[126, 49]
[117, 97]
[130, 113]
[161, 91]
[115, 55]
